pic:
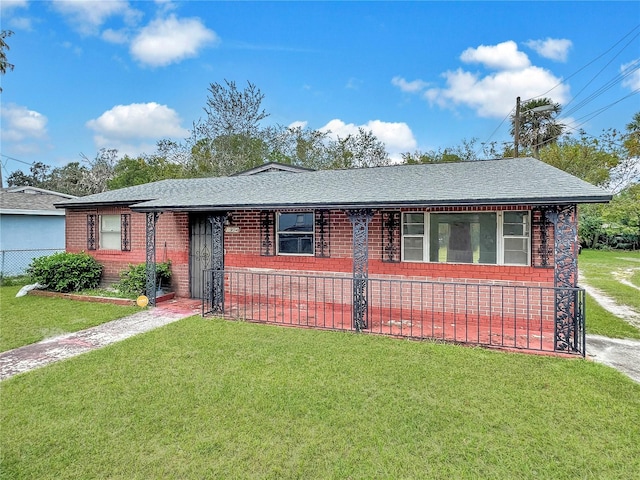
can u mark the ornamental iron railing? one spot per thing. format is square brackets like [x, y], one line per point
[504, 316]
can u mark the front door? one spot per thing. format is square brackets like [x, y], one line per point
[206, 248]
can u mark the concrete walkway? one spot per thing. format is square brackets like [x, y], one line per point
[623, 355]
[69, 345]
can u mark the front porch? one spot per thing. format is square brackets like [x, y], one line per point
[492, 315]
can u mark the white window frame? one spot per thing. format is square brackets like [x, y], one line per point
[425, 236]
[312, 232]
[500, 237]
[103, 231]
[503, 237]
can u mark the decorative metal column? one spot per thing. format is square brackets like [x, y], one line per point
[91, 231]
[216, 288]
[267, 225]
[390, 236]
[152, 219]
[565, 223]
[541, 223]
[323, 233]
[360, 220]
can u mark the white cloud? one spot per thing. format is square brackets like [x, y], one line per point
[397, 136]
[494, 95]
[115, 36]
[88, 16]
[552, 48]
[414, 86]
[490, 94]
[21, 23]
[133, 128]
[298, 124]
[170, 40]
[21, 124]
[631, 71]
[503, 56]
[7, 5]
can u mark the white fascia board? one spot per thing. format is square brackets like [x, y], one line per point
[48, 213]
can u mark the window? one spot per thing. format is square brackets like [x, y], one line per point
[295, 233]
[489, 238]
[110, 232]
[515, 237]
[413, 236]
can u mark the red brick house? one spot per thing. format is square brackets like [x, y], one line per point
[488, 248]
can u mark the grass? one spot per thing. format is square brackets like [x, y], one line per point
[30, 318]
[219, 399]
[598, 267]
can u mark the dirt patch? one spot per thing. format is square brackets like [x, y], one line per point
[623, 276]
[622, 311]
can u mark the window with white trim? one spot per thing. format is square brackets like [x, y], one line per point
[110, 232]
[515, 238]
[490, 238]
[295, 233]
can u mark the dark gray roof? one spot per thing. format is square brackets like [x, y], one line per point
[495, 182]
[30, 199]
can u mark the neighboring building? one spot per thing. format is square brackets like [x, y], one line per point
[508, 223]
[30, 226]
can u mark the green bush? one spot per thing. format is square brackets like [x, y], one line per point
[134, 280]
[66, 272]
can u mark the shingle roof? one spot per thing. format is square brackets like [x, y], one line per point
[30, 199]
[506, 181]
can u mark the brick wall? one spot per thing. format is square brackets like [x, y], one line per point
[172, 233]
[243, 251]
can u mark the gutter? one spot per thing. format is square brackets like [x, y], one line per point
[378, 205]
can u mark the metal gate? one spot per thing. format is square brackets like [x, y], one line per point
[206, 248]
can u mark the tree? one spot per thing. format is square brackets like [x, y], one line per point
[587, 158]
[69, 179]
[298, 146]
[358, 151]
[232, 112]
[536, 124]
[467, 151]
[4, 47]
[38, 178]
[144, 169]
[100, 171]
[229, 140]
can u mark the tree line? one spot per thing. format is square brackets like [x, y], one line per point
[232, 138]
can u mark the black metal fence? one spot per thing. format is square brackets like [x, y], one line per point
[505, 316]
[15, 262]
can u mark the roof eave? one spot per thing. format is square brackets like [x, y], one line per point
[386, 205]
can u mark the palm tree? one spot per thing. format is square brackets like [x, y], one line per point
[537, 126]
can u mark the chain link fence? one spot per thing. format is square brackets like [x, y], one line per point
[16, 262]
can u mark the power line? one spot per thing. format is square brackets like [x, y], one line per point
[16, 160]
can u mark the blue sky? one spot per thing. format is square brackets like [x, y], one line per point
[421, 75]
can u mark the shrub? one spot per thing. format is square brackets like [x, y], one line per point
[66, 272]
[134, 279]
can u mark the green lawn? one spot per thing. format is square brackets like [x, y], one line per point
[218, 399]
[599, 268]
[30, 318]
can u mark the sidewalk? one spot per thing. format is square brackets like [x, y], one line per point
[51, 350]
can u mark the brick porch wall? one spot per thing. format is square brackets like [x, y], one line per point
[172, 234]
[243, 251]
